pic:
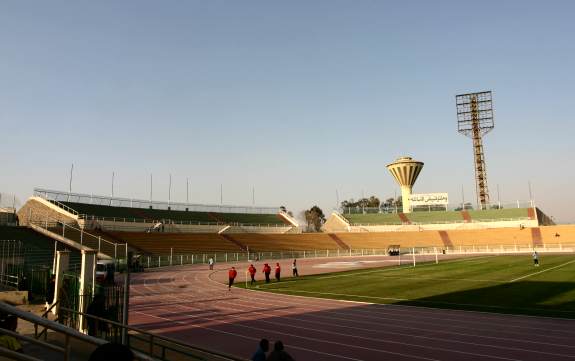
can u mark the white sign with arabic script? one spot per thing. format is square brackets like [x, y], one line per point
[429, 199]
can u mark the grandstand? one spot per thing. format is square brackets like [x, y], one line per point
[120, 214]
[370, 221]
[165, 243]
[109, 224]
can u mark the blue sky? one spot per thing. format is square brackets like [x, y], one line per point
[296, 99]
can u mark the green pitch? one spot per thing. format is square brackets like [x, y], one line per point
[506, 284]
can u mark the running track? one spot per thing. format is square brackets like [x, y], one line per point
[191, 304]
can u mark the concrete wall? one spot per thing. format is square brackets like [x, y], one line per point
[336, 223]
[40, 209]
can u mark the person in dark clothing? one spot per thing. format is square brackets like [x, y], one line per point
[112, 351]
[294, 268]
[260, 354]
[96, 308]
[278, 354]
[50, 290]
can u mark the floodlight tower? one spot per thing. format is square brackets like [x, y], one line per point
[475, 119]
[405, 171]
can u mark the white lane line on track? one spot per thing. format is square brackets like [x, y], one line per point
[492, 346]
[268, 331]
[413, 336]
[455, 333]
[545, 270]
[441, 312]
[425, 310]
[282, 333]
[428, 309]
[255, 339]
[434, 326]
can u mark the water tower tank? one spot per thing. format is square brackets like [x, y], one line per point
[405, 171]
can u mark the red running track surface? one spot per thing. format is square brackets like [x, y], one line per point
[192, 304]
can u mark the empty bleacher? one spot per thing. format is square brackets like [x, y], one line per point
[277, 242]
[498, 214]
[538, 236]
[435, 217]
[164, 243]
[90, 211]
[373, 218]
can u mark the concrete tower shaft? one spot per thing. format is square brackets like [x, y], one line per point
[405, 170]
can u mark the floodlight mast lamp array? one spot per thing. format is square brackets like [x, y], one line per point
[475, 119]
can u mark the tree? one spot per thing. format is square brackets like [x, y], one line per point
[371, 202]
[314, 218]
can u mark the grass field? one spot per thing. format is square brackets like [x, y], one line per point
[505, 284]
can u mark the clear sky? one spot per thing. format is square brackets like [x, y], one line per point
[294, 98]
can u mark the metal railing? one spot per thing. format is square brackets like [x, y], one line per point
[168, 221]
[150, 344]
[146, 204]
[457, 221]
[64, 207]
[453, 207]
[48, 195]
[11, 263]
[69, 334]
[181, 259]
[78, 235]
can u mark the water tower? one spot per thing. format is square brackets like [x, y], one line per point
[405, 171]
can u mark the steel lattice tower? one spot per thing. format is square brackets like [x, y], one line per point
[475, 119]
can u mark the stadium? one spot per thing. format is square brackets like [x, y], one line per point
[431, 281]
[438, 259]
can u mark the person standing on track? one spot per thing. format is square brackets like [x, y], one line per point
[294, 268]
[535, 259]
[252, 272]
[211, 263]
[278, 272]
[267, 270]
[232, 273]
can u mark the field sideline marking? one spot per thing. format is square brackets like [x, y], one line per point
[545, 270]
[453, 310]
[443, 279]
[402, 267]
[420, 301]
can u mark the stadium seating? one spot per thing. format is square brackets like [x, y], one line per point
[437, 216]
[163, 243]
[496, 214]
[278, 242]
[373, 218]
[538, 236]
[99, 211]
